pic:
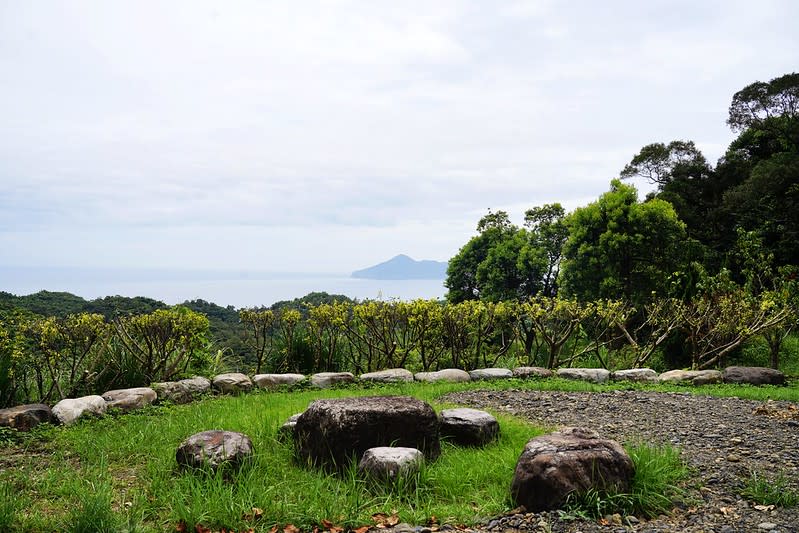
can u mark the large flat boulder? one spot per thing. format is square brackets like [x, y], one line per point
[71, 409]
[26, 417]
[325, 380]
[532, 372]
[213, 449]
[447, 374]
[694, 377]
[232, 383]
[392, 375]
[752, 375]
[332, 432]
[593, 375]
[638, 375]
[273, 381]
[490, 373]
[572, 460]
[129, 399]
[390, 464]
[468, 427]
[197, 385]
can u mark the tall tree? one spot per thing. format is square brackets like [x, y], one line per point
[620, 248]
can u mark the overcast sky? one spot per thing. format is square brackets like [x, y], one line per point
[328, 136]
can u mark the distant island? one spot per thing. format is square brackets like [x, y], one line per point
[404, 267]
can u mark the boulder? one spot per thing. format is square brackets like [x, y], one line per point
[273, 381]
[390, 464]
[129, 399]
[285, 433]
[232, 383]
[572, 460]
[325, 380]
[332, 432]
[183, 391]
[635, 374]
[197, 385]
[25, 417]
[68, 411]
[468, 427]
[594, 375]
[490, 373]
[392, 375]
[448, 374]
[694, 377]
[527, 372]
[213, 449]
[753, 375]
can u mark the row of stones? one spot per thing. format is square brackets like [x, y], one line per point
[66, 411]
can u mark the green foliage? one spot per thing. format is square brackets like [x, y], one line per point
[619, 248]
[770, 490]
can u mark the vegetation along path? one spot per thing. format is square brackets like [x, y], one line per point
[731, 444]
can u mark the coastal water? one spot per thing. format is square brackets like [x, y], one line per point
[239, 289]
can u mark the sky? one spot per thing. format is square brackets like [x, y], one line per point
[329, 136]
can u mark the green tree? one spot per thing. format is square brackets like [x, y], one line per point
[620, 248]
[258, 330]
[462, 279]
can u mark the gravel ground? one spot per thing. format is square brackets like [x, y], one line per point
[722, 439]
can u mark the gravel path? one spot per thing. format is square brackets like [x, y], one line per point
[723, 439]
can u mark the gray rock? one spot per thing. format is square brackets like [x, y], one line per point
[273, 381]
[527, 372]
[447, 374]
[572, 460]
[129, 399]
[196, 385]
[490, 373]
[213, 449]
[753, 375]
[325, 380]
[635, 374]
[767, 526]
[69, 410]
[25, 417]
[232, 383]
[694, 377]
[285, 433]
[172, 391]
[594, 375]
[330, 433]
[392, 375]
[468, 427]
[183, 391]
[390, 464]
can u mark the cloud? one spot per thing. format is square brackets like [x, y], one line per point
[382, 125]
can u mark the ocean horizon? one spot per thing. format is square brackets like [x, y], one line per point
[237, 288]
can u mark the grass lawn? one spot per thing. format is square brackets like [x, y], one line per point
[119, 473]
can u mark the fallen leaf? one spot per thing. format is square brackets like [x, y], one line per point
[603, 522]
[199, 528]
[291, 528]
[182, 527]
[432, 521]
[336, 529]
[393, 520]
[362, 529]
[764, 507]
[273, 530]
[255, 514]
[327, 523]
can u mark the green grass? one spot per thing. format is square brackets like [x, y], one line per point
[119, 473]
[659, 474]
[770, 491]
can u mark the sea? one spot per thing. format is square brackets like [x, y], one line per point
[226, 288]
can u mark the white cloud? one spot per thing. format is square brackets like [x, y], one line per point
[136, 133]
